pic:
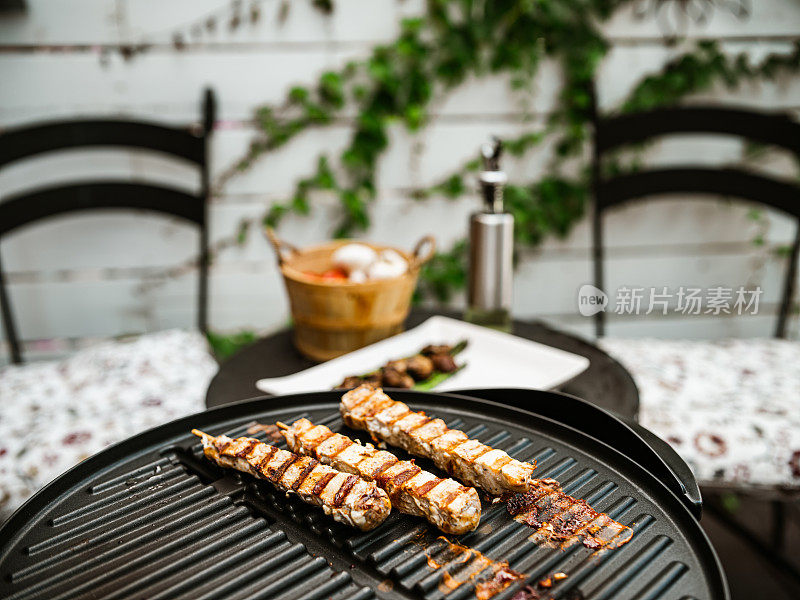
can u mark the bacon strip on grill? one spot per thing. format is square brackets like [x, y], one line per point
[347, 498]
[446, 503]
[451, 450]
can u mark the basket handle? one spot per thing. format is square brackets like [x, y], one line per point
[418, 257]
[283, 250]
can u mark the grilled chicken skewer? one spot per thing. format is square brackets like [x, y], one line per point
[347, 498]
[451, 450]
[446, 503]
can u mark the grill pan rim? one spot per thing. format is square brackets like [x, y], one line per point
[175, 433]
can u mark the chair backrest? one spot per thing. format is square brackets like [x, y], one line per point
[775, 129]
[190, 144]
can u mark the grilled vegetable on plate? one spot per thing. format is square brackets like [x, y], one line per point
[422, 371]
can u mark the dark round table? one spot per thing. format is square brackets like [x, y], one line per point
[605, 383]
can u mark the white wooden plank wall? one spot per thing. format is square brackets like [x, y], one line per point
[81, 276]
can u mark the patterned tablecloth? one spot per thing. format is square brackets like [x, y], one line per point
[731, 408]
[55, 414]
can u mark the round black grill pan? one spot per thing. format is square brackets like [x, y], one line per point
[151, 518]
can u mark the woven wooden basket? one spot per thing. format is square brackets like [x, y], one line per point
[334, 317]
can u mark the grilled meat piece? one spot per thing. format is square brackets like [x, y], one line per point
[351, 382]
[451, 450]
[419, 367]
[347, 498]
[400, 365]
[373, 379]
[393, 378]
[446, 503]
[432, 349]
[444, 363]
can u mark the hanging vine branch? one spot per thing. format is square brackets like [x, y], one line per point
[554, 203]
[435, 53]
[431, 56]
[232, 16]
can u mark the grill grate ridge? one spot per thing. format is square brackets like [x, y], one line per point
[354, 593]
[233, 580]
[657, 587]
[580, 480]
[318, 586]
[624, 575]
[101, 576]
[189, 486]
[161, 565]
[330, 419]
[132, 474]
[218, 507]
[265, 544]
[517, 447]
[540, 456]
[160, 478]
[281, 580]
[496, 441]
[336, 583]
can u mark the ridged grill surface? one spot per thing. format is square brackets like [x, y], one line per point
[169, 524]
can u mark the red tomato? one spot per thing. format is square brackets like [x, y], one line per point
[334, 274]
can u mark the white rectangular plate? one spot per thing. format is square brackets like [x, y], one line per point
[494, 360]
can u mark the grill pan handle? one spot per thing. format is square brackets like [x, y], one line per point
[624, 435]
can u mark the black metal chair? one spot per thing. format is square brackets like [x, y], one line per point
[773, 129]
[190, 144]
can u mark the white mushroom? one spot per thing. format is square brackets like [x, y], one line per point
[354, 257]
[357, 276]
[385, 270]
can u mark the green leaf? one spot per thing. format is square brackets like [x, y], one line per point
[453, 187]
[274, 215]
[226, 345]
[414, 116]
[436, 379]
[298, 94]
[241, 234]
[331, 89]
[300, 204]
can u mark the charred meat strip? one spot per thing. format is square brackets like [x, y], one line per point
[446, 503]
[562, 518]
[346, 497]
[451, 450]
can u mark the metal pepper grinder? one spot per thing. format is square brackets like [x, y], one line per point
[491, 247]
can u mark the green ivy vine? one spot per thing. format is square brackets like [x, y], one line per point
[433, 54]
